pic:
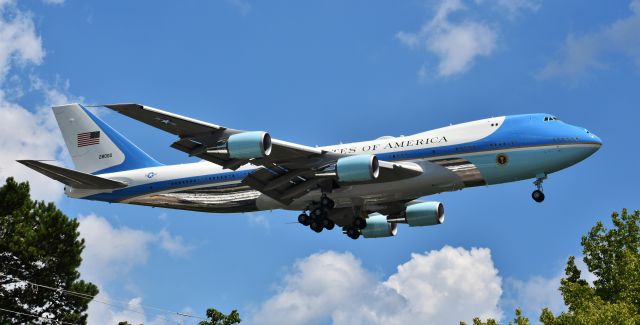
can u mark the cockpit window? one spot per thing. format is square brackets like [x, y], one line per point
[551, 118]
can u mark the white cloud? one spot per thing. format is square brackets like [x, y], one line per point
[131, 311]
[534, 294]
[514, 7]
[538, 292]
[439, 287]
[24, 133]
[457, 44]
[111, 253]
[19, 42]
[33, 134]
[258, 220]
[174, 245]
[581, 55]
[27, 135]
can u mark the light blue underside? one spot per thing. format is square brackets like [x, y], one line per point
[525, 164]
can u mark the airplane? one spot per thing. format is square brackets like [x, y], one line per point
[366, 188]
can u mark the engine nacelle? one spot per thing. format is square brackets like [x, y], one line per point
[425, 214]
[378, 226]
[248, 145]
[358, 168]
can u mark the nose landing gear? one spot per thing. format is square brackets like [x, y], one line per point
[538, 195]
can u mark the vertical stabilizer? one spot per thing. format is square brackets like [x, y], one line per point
[94, 146]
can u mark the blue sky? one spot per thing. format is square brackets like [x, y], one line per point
[320, 73]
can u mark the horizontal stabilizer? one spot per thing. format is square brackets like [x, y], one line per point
[72, 178]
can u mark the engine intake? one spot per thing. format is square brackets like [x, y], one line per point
[378, 226]
[248, 145]
[358, 168]
[425, 214]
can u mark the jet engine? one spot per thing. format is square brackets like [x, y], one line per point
[248, 145]
[378, 226]
[358, 168]
[424, 214]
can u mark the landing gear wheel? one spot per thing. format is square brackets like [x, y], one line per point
[317, 212]
[315, 226]
[537, 196]
[327, 203]
[304, 219]
[328, 224]
[353, 233]
[360, 223]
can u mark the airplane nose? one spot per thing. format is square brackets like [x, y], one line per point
[593, 138]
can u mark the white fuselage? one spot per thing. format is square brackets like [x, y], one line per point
[483, 152]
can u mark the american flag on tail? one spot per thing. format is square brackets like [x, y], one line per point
[88, 138]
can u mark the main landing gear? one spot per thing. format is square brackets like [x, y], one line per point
[353, 231]
[538, 195]
[318, 217]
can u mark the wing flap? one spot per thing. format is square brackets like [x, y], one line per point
[72, 178]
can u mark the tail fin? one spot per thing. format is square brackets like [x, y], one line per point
[94, 146]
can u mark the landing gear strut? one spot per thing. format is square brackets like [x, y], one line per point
[318, 217]
[538, 195]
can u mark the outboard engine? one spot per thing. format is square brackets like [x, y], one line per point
[248, 145]
[358, 168]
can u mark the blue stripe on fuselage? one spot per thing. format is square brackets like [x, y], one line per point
[178, 183]
[516, 131]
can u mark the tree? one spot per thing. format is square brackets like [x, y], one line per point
[613, 256]
[519, 320]
[218, 318]
[215, 318]
[41, 245]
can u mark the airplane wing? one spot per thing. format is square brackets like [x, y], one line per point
[200, 139]
[72, 178]
[288, 171]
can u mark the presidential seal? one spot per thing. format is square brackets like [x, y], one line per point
[502, 159]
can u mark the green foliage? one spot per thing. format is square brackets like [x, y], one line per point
[215, 318]
[218, 318]
[613, 256]
[519, 320]
[39, 244]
